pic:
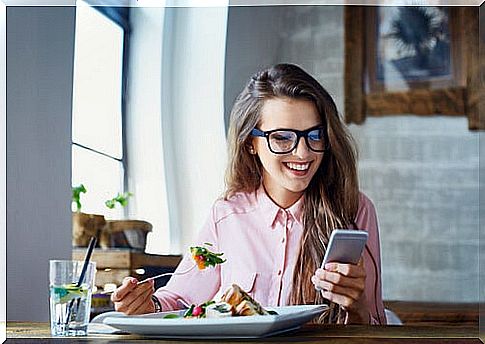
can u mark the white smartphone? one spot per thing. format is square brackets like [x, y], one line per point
[345, 246]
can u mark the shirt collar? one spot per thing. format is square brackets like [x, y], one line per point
[270, 209]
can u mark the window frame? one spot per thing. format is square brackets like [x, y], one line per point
[121, 17]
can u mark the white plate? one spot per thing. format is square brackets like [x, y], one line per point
[288, 318]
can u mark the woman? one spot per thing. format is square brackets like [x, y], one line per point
[291, 179]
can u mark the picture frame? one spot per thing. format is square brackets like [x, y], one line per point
[386, 74]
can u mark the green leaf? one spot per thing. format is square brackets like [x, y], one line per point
[189, 311]
[171, 316]
[208, 303]
[110, 203]
[122, 199]
[76, 195]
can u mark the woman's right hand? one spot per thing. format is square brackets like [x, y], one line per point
[131, 298]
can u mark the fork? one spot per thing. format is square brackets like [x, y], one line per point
[156, 277]
[166, 274]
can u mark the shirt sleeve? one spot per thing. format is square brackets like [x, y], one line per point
[196, 286]
[366, 219]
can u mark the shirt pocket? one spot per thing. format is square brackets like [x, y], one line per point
[256, 284]
[246, 280]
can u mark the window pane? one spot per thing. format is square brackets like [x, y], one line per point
[102, 177]
[98, 62]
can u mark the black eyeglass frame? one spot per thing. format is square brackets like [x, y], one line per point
[299, 134]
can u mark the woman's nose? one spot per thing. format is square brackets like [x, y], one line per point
[301, 150]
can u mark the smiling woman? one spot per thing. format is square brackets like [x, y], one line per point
[284, 197]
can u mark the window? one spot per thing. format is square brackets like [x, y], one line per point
[98, 160]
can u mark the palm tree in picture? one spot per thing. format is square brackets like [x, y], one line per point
[418, 32]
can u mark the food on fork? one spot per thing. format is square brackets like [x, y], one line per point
[205, 258]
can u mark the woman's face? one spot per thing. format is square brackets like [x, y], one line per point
[286, 176]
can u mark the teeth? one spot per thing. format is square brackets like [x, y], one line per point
[298, 167]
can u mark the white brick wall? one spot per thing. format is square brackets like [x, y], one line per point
[422, 174]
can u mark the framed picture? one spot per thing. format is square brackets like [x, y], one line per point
[411, 60]
[411, 47]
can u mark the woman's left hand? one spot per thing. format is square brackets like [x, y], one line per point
[343, 284]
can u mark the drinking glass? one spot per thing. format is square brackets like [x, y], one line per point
[70, 303]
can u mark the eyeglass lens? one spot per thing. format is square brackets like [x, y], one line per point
[283, 141]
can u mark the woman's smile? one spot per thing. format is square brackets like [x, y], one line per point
[298, 169]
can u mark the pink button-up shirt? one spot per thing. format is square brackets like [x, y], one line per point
[260, 241]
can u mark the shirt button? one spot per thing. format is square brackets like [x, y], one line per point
[283, 240]
[279, 272]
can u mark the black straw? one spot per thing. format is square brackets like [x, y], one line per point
[87, 258]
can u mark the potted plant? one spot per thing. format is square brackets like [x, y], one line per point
[124, 233]
[84, 226]
[110, 233]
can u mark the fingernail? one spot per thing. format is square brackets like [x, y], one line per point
[134, 281]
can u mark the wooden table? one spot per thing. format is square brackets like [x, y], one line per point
[309, 334]
[436, 313]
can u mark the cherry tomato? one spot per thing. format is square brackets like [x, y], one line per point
[197, 311]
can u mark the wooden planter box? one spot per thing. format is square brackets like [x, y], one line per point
[110, 233]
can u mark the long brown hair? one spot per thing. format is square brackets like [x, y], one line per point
[332, 197]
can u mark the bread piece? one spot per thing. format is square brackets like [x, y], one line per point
[235, 296]
[246, 308]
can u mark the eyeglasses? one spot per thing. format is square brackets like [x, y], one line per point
[284, 141]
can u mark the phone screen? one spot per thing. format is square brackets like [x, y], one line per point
[345, 246]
